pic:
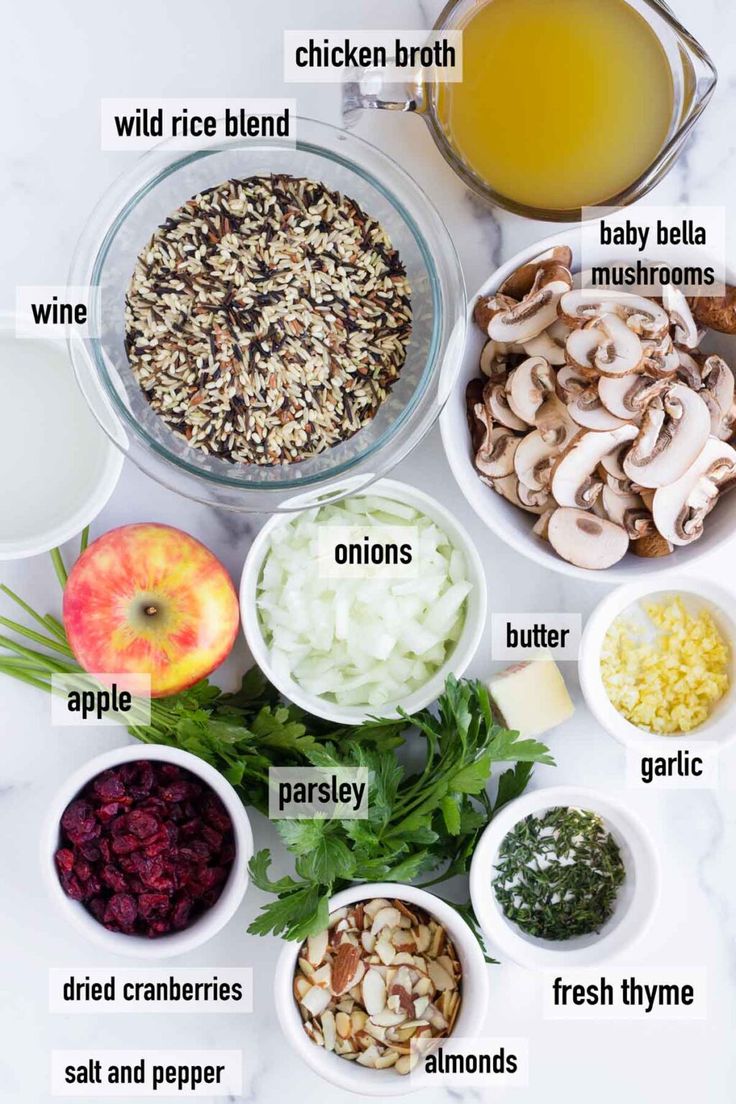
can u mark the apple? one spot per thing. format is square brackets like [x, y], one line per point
[149, 599]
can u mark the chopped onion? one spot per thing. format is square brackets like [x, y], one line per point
[361, 641]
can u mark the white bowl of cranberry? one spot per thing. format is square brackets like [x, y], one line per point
[146, 851]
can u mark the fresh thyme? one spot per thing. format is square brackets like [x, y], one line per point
[558, 875]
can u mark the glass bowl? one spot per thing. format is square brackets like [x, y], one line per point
[162, 180]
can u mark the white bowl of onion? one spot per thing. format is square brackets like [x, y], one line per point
[348, 648]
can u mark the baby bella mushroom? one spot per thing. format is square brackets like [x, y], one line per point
[602, 416]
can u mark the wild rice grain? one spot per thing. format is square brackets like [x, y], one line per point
[267, 319]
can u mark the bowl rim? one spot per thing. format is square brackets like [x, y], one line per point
[457, 662]
[632, 926]
[109, 468]
[207, 925]
[457, 457]
[473, 1009]
[719, 728]
[88, 355]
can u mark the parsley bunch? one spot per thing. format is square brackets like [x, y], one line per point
[422, 823]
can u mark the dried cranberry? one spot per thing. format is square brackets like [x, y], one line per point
[146, 847]
[142, 781]
[176, 791]
[154, 904]
[216, 814]
[142, 824]
[108, 786]
[106, 813]
[180, 913]
[113, 877]
[83, 870]
[121, 910]
[123, 845]
[79, 822]
[72, 888]
[64, 860]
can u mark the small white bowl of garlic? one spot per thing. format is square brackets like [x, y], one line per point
[621, 534]
[657, 662]
[346, 641]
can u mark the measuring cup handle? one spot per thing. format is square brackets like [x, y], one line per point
[371, 91]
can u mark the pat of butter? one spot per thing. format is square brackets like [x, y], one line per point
[531, 697]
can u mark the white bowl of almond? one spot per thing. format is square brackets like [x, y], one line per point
[396, 971]
[592, 429]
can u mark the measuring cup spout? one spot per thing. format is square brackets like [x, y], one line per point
[369, 90]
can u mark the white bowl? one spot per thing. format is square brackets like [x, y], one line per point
[348, 1075]
[56, 492]
[205, 926]
[635, 904]
[456, 662]
[697, 593]
[514, 526]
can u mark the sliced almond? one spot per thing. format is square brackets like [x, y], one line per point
[317, 947]
[368, 941]
[374, 992]
[343, 1025]
[370, 908]
[315, 1000]
[369, 1057]
[345, 968]
[422, 938]
[386, 1060]
[388, 1018]
[329, 1031]
[385, 948]
[386, 918]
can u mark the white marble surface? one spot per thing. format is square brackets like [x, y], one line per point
[59, 59]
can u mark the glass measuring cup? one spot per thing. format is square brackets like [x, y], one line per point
[693, 79]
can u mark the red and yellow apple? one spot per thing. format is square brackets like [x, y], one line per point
[150, 600]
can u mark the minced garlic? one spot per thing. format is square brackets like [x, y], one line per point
[668, 685]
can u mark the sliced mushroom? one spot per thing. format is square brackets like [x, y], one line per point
[476, 426]
[642, 316]
[551, 348]
[541, 525]
[533, 461]
[495, 457]
[686, 331]
[629, 511]
[680, 508]
[612, 462]
[585, 540]
[527, 386]
[509, 488]
[627, 396]
[718, 312]
[571, 382]
[497, 401]
[554, 422]
[651, 546]
[536, 311]
[486, 306]
[535, 501]
[718, 395]
[494, 361]
[608, 345]
[673, 431]
[575, 480]
[661, 358]
[587, 410]
[689, 369]
[521, 281]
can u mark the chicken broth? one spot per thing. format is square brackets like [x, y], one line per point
[562, 104]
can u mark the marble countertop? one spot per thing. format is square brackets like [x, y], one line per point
[59, 59]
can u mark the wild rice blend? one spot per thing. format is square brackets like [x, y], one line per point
[267, 319]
